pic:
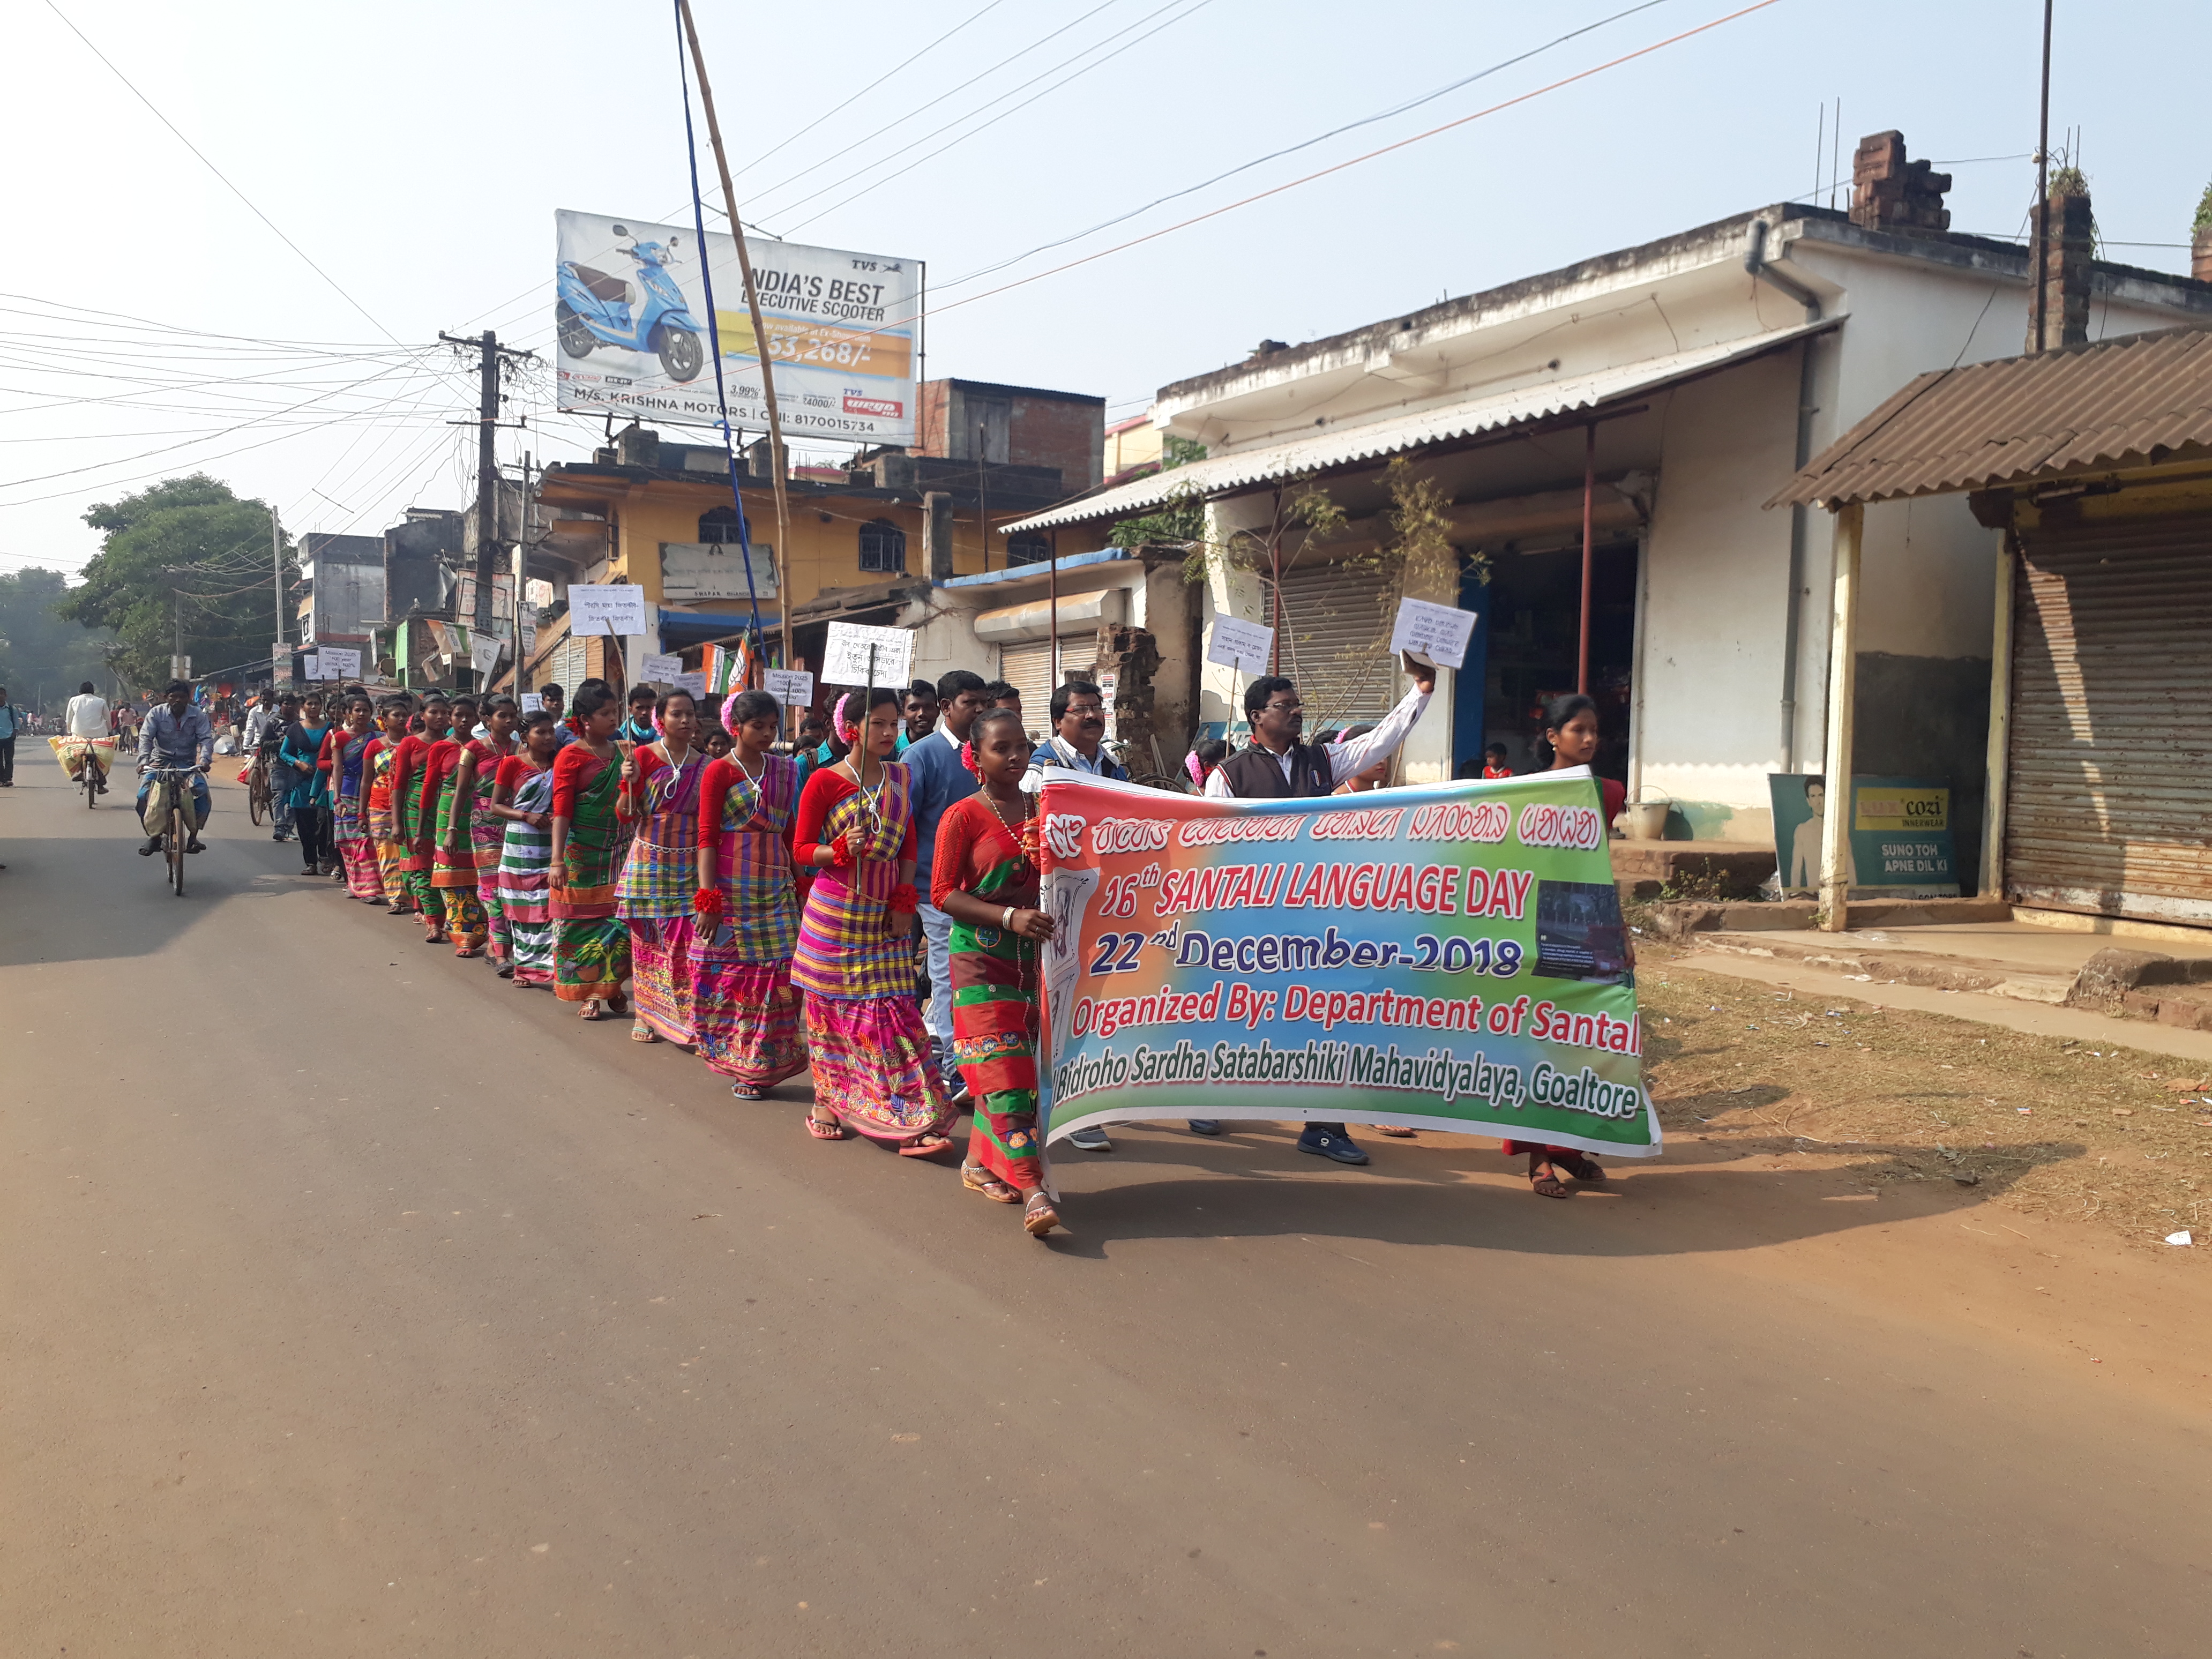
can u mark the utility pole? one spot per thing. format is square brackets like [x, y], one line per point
[489, 353]
[984, 501]
[760, 335]
[2039, 300]
[276, 575]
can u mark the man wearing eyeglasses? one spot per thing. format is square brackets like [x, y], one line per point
[1277, 766]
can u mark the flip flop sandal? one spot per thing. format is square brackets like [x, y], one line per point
[1580, 1168]
[977, 1179]
[825, 1129]
[593, 1010]
[1549, 1186]
[1395, 1131]
[922, 1147]
[505, 970]
[1038, 1217]
[747, 1091]
[641, 1032]
[617, 1004]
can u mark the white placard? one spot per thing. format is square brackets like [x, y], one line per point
[662, 667]
[310, 665]
[531, 703]
[607, 608]
[845, 659]
[792, 687]
[338, 663]
[694, 682]
[714, 570]
[1240, 644]
[484, 653]
[1109, 691]
[1436, 633]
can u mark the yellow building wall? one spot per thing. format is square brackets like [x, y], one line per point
[825, 532]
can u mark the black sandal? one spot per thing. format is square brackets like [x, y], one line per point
[1548, 1184]
[1581, 1168]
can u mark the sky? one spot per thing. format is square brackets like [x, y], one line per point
[406, 158]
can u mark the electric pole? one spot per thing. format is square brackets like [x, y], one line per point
[276, 576]
[489, 353]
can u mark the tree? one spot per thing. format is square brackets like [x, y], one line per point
[186, 556]
[44, 657]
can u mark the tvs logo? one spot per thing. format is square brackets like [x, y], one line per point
[1063, 834]
[889, 409]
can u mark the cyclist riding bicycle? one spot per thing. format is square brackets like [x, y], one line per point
[175, 734]
[83, 725]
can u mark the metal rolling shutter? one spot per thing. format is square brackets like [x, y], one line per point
[2108, 802]
[1028, 668]
[1336, 638]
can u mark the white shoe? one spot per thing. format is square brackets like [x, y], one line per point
[1092, 1140]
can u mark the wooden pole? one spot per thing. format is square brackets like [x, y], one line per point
[1999, 762]
[1590, 492]
[1843, 689]
[2040, 254]
[776, 459]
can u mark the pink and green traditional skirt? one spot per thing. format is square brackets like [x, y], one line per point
[746, 1014]
[871, 1066]
[661, 975]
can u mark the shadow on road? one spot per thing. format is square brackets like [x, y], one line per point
[1701, 1198]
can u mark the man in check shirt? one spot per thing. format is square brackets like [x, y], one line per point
[1278, 765]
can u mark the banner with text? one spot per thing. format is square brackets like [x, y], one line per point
[1450, 957]
[632, 332]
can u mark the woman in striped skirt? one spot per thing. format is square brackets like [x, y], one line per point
[590, 946]
[522, 800]
[379, 762]
[654, 896]
[348, 748]
[855, 955]
[744, 1008]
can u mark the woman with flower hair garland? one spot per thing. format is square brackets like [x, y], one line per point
[855, 958]
[986, 879]
[744, 1008]
[655, 896]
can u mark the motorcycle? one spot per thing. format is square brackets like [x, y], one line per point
[594, 309]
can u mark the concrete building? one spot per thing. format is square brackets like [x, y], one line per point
[343, 576]
[1662, 394]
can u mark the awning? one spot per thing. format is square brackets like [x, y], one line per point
[1374, 440]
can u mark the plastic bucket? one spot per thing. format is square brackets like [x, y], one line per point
[1646, 820]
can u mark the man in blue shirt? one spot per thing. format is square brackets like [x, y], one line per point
[176, 733]
[11, 724]
[937, 780]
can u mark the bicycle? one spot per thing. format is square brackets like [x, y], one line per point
[175, 812]
[88, 775]
[260, 801]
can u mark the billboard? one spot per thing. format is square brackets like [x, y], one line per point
[631, 316]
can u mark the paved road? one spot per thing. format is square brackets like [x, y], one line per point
[353, 1302]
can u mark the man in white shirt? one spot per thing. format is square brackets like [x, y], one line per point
[85, 717]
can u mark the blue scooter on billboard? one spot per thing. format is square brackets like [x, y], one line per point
[595, 310]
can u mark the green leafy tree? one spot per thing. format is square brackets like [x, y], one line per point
[44, 657]
[183, 557]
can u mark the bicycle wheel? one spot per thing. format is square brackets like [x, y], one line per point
[178, 836]
[256, 796]
[88, 780]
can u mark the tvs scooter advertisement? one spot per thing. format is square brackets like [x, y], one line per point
[630, 315]
[1450, 956]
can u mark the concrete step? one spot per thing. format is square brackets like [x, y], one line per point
[1717, 869]
[1989, 975]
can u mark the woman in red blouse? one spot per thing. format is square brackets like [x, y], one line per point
[855, 954]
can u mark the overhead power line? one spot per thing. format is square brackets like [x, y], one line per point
[1356, 161]
[219, 173]
[1305, 143]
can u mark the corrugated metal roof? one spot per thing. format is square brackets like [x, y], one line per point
[1373, 439]
[2128, 402]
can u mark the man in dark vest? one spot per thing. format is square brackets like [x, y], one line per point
[1277, 766]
